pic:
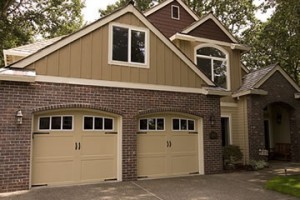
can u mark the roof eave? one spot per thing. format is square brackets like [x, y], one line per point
[216, 92]
[249, 92]
[297, 95]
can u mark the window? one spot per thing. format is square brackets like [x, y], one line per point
[175, 13]
[183, 124]
[56, 123]
[213, 62]
[98, 123]
[129, 46]
[152, 124]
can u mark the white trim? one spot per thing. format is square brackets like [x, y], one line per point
[251, 91]
[297, 95]
[245, 68]
[228, 115]
[129, 63]
[165, 3]
[172, 16]
[204, 19]
[180, 36]
[227, 59]
[129, 9]
[116, 84]
[228, 104]
[283, 73]
[17, 78]
[200, 146]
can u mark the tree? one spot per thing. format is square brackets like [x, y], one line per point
[21, 21]
[277, 40]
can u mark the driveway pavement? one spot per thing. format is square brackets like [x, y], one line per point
[231, 186]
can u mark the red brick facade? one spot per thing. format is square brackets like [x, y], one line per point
[15, 140]
[279, 91]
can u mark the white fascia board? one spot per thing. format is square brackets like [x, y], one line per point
[12, 52]
[17, 76]
[117, 84]
[212, 91]
[240, 47]
[297, 95]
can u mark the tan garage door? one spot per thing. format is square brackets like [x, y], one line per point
[167, 145]
[74, 146]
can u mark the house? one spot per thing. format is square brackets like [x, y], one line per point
[138, 95]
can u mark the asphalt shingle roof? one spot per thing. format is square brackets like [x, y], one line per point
[251, 79]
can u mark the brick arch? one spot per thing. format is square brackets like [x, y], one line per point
[161, 110]
[76, 105]
[284, 104]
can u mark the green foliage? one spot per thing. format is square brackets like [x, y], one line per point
[232, 155]
[22, 21]
[285, 184]
[277, 40]
[258, 164]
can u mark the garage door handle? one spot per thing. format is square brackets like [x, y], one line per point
[79, 146]
[75, 145]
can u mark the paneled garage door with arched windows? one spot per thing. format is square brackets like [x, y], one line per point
[169, 145]
[74, 146]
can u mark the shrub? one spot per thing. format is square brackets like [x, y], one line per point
[232, 155]
[258, 164]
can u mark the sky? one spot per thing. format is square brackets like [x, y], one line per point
[91, 13]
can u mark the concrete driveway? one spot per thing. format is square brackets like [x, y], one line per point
[232, 186]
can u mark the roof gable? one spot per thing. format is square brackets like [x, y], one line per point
[254, 80]
[167, 2]
[162, 17]
[96, 25]
[210, 27]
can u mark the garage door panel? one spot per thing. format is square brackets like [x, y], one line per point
[184, 143]
[179, 164]
[98, 145]
[49, 146]
[52, 172]
[98, 169]
[151, 144]
[152, 166]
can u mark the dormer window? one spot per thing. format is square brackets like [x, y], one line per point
[214, 63]
[175, 13]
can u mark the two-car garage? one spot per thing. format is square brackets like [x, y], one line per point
[76, 146]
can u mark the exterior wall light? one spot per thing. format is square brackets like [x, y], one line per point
[19, 117]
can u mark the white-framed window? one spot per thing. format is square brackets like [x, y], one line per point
[152, 124]
[180, 124]
[128, 45]
[56, 123]
[214, 63]
[98, 123]
[175, 12]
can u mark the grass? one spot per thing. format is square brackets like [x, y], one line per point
[285, 184]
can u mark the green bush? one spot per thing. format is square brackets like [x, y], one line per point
[258, 164]
[232, 155]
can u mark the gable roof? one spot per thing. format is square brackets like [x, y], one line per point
[97, 24]
[253, 80]
[204, 19]
[167, 2]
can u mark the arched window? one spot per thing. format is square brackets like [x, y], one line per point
[213, 62]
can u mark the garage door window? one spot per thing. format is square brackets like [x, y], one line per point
[56, 123]
[183, 124]
[152, 124]
[98, 123]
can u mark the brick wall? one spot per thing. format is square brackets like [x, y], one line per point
[15, 140]
[279, 91]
